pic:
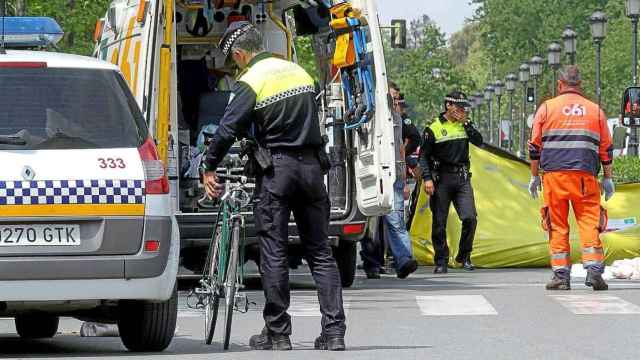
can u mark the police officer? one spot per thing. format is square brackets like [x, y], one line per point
[444, 159]
[277, 98]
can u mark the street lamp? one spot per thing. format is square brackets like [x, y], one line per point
[598, 32]
[535, 69]
[497, 89]
[632, 9]
[570, 38]
[554, 53]
[488, 95]
[524, 79]
[478, 97]
[510, 82]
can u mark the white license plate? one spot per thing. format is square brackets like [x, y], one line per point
[40, 235]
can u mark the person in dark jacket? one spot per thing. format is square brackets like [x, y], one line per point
[277, 98]
[445, 164]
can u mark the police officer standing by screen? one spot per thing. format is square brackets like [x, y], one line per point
[277, 98]
[445, 164]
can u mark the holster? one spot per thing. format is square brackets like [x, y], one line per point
[258, 158]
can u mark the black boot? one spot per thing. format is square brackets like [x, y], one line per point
[266, 341]
[441, 269]
[407, 269]
[595, 281]
[331, 343]
[466, 262]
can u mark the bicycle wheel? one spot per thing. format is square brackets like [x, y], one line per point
[213, 302]
[230, 284]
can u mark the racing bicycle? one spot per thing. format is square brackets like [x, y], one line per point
[223, 271]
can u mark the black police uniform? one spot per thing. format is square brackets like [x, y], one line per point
[444, 158]
[277, 98]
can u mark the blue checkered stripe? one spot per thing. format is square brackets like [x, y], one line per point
[52, 192]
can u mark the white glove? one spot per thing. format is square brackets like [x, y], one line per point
[609, 188]
[534, 186]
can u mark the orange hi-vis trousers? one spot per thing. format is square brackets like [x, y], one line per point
[582, 191]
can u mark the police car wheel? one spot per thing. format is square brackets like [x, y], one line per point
[37, 326]
[148, 326]
[345, 255]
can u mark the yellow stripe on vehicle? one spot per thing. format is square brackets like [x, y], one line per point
[71, 210]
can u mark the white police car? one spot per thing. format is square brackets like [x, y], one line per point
[86, 225]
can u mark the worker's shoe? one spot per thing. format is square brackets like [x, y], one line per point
[441, 269]
[266, 341]
[559, 283]
[466, 262]
[331, 343]
[408, 268]
[595, 281]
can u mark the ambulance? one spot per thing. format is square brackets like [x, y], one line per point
[168, 52]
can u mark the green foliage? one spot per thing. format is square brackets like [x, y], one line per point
[76, 17]
[626, 169]
[306, 56]
[423, 71]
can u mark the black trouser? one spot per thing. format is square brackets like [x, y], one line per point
[456, 188]
[372, 244]
[296, 184]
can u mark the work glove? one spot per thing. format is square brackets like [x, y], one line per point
[608, 188]
[534, 186]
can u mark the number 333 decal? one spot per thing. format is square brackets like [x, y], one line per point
[111, 163]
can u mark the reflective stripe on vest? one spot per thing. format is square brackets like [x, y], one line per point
[447, 131]
[274, 79]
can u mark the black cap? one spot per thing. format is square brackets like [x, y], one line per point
[233, 32]
[457, 98]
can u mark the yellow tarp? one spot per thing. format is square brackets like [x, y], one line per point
[509, 232]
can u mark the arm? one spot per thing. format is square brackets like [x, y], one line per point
[605, 150]
[234, 124]
[426, 150]
[474, 135]
[535, 144]
[411, 137]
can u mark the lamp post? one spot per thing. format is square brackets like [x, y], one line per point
[498, 86]
[598, 32]
[554, 53]
[510, 83]
[488, 95]
[535, 70]
[478, 97]
[524, 79]
[569, 37]
[632, 9]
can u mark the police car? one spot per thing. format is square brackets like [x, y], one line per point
[86, 224]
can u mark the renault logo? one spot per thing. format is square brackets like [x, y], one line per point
[28, 173]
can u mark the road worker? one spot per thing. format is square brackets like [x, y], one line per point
[570, 140]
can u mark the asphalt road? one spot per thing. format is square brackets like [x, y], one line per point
[487, 314]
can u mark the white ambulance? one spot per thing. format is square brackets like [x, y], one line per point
[167, 51]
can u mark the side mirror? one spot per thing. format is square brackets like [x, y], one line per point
[399, 34]
[620, 137]
[630, 109]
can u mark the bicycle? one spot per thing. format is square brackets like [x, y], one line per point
[223, 272]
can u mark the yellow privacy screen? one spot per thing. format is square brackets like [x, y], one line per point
[509, 232]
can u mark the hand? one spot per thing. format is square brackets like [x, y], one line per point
[211, 185]
[608, 187]
[429, 187]
[459, 115]
[534, 186]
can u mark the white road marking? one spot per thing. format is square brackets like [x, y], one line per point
[596, 304]
[455, 305]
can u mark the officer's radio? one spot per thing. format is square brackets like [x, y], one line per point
[630, 109]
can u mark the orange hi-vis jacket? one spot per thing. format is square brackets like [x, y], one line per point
[570, 132]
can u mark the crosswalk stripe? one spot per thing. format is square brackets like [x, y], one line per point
[454, 305]
[596, 304]
[308, 306]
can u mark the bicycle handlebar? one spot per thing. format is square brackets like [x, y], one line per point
[236, 178]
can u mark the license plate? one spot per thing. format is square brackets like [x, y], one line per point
[40, 235]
